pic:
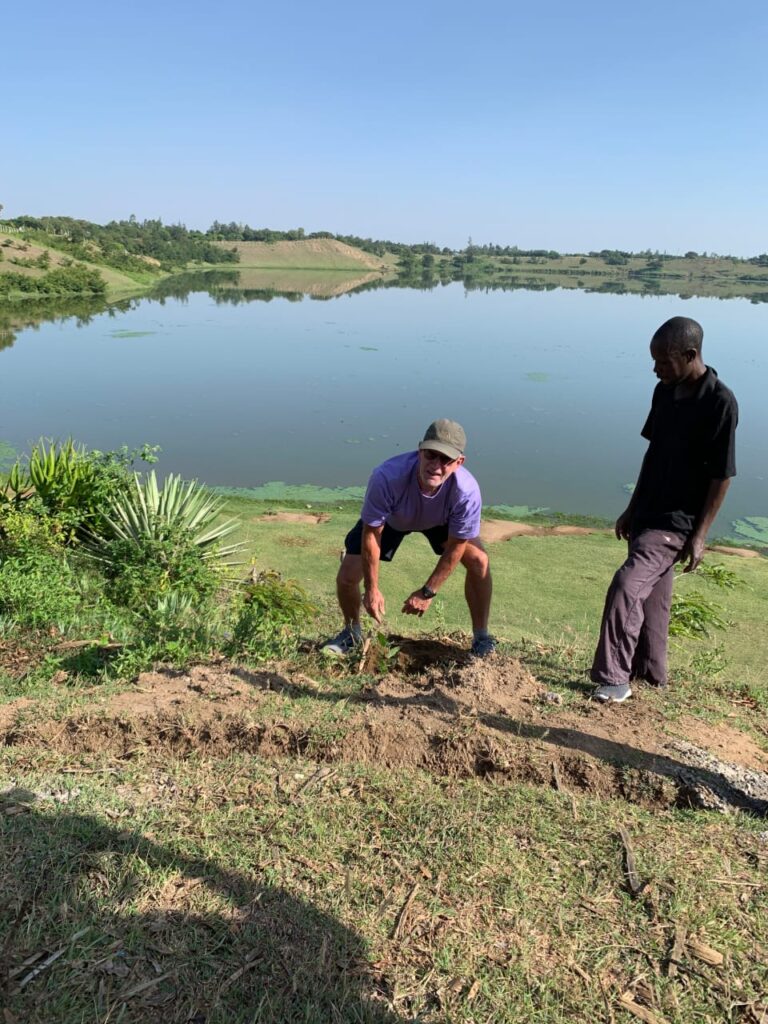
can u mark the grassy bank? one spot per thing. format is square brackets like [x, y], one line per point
[277, 837]
[221, 890]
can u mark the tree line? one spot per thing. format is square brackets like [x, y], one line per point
[130, 245]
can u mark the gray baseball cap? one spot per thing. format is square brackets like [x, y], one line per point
[446, 437]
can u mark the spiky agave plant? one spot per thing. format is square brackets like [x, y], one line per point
[147, 512]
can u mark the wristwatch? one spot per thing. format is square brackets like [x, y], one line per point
[428, 592]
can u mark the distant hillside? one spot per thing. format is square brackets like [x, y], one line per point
[305, 254]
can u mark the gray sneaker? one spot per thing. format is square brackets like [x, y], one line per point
[608, 694]
[483, 646]
[343, 643]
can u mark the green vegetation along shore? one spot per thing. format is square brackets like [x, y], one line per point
[202, 818]
[44, 257]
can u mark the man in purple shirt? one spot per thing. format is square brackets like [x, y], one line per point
[425, 491]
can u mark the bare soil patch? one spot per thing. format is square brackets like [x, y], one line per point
[723, 549]
[494, 530]
[305, 518]
[434, 709]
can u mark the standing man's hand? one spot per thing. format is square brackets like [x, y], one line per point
[693, 552]
[373, 602]
[623, 524]
[416, 604]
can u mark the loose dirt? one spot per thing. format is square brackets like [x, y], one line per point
[429, 707]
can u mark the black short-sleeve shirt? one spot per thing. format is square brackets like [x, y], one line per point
[692, 442]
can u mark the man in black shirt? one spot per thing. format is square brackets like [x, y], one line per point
[683, 480]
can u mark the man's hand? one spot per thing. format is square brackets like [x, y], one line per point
[622, 525]
[373, 602]
[416, 604]
[693, 552]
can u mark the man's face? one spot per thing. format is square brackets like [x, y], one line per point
[671, 367]
[435, 468]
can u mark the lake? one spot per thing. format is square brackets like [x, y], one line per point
[552, 387]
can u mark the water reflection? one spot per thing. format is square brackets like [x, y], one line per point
[18, 317]
[236, 287]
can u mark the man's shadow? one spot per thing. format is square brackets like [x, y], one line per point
[230, 951]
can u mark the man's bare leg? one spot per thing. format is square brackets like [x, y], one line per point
[478, 585]
[348, 580]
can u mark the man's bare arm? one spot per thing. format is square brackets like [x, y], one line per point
[624, 521]
[693, 552]
[373, 599]
[416, 603]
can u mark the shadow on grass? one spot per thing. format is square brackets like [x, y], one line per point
[206, 945]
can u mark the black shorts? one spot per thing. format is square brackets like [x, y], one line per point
[390, 539]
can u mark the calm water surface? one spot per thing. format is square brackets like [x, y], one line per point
[552, 387]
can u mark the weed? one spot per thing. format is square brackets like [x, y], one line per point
[718, 574]
[710, 662]
[37, 589]
[382, 655]
[271, 614]
[140, 571]
[693, 615]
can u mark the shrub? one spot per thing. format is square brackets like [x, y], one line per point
[27, 529]
[272, 611]
[142, 569]
[38, 589]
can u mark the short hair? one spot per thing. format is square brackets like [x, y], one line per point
[679, 334]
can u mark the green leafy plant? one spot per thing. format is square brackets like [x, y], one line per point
[142, 569]
[719, 575]
[38, 589]
[693, 615]
[710, 662]
[382, 653]
[26, 529]
[73, 485]
[271, 612]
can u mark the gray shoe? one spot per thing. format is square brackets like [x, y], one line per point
[609, 694]
[483, 646]
[343, 643]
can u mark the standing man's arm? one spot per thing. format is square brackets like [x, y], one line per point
[693, 552]
[722, 461]
[373, 599]
[417, 603]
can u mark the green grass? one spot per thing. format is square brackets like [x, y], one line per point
[244, 890]
[548, 590]
[224, 891]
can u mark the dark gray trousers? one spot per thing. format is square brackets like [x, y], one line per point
[635, 626]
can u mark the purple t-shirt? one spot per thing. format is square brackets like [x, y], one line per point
[393, 496]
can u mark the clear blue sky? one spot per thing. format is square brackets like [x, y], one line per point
[561, 125]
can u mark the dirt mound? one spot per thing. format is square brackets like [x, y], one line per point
[430, 707]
